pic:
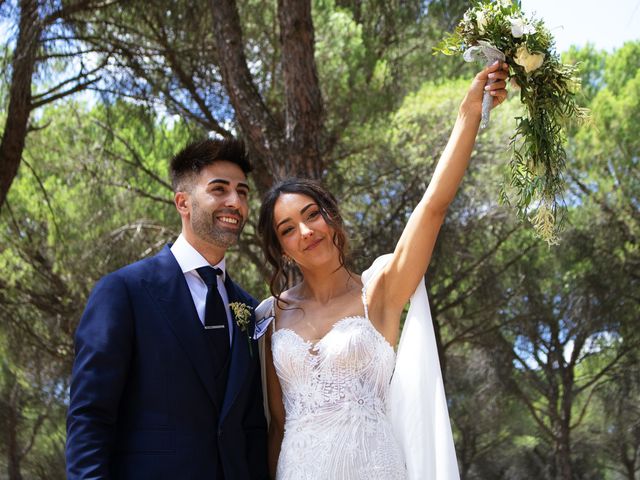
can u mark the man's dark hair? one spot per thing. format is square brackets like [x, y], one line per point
[197, 155]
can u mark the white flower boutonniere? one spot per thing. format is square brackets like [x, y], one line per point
[242, 315]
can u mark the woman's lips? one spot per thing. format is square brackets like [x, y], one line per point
[313, 245]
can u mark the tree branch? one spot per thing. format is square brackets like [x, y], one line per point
[77, 78]
[73, 8]
[65, 93]
[138, 163]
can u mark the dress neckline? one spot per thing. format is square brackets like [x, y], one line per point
[312, 346]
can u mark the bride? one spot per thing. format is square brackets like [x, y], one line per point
[333, 411]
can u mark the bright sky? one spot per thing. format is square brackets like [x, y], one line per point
[605, 23]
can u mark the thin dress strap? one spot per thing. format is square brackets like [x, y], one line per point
[273, 314]
[364, 302]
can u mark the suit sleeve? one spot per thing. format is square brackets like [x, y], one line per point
[103, 345]
[255, 424]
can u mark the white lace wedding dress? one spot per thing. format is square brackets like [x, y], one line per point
[335, 395]
[344, 419]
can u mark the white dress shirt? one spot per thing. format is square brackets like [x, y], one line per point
[189, 259]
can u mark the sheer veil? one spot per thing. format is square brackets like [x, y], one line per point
[418, 405]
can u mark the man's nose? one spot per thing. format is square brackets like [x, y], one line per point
[232, 199]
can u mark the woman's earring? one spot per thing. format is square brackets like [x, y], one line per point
[286, 259]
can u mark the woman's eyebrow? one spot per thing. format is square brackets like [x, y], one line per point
[304, 209]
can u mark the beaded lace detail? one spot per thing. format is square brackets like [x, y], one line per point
[335, 394]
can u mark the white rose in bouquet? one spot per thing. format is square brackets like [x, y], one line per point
[530, 61]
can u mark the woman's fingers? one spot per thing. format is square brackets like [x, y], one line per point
[491, 80]
[497, 85]
[499, 96]
[499, 75]
[497, 68]
[496, 82]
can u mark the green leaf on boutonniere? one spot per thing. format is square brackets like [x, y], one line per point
[242, 315]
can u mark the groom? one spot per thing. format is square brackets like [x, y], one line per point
[164, 385]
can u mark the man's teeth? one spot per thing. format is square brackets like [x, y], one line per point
[232, 221]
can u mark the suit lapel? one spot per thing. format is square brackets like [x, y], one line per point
[240, 356]
[169, 288]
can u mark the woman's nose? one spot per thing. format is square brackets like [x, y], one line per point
[305, 231]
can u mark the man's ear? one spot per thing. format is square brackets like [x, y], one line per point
[182, 202]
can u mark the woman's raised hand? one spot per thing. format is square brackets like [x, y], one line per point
[492, 79]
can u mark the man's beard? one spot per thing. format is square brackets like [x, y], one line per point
[206, 227]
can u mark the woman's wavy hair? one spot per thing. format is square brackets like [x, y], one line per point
[268, 235]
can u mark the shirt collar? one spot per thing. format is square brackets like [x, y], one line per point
[189, 258]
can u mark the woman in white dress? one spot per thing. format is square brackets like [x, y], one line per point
[329, 355]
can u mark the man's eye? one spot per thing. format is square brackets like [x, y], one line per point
[243, 193]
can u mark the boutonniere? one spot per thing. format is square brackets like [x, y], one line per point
[242, 315]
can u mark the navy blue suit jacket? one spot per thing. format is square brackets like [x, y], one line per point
[143, 395]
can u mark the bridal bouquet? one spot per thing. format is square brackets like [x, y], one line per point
[498, 30]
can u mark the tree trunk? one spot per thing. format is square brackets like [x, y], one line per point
[277, 150]
[13, 449]
[563, 455]
[563, 448]
[631, 471]
[261, 132]
[629, 462]
[467, 449]
[304, 109]
[15, 130]
[11, 413]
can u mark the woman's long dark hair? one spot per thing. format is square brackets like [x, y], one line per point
[270, 242]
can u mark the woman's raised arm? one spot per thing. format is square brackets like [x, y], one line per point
[391, 291]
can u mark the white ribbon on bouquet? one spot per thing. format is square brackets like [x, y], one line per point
[487, 53]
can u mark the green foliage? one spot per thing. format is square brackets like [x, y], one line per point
[341, 59]
[590, 65]
[622, 66]
[83, 204]
[92, 196]
[606, 154]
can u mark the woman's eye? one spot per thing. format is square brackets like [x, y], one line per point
[286, 230]
[314, 214]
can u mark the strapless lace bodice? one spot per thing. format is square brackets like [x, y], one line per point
[335, 395]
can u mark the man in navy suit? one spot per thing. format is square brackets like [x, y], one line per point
[165, 385]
